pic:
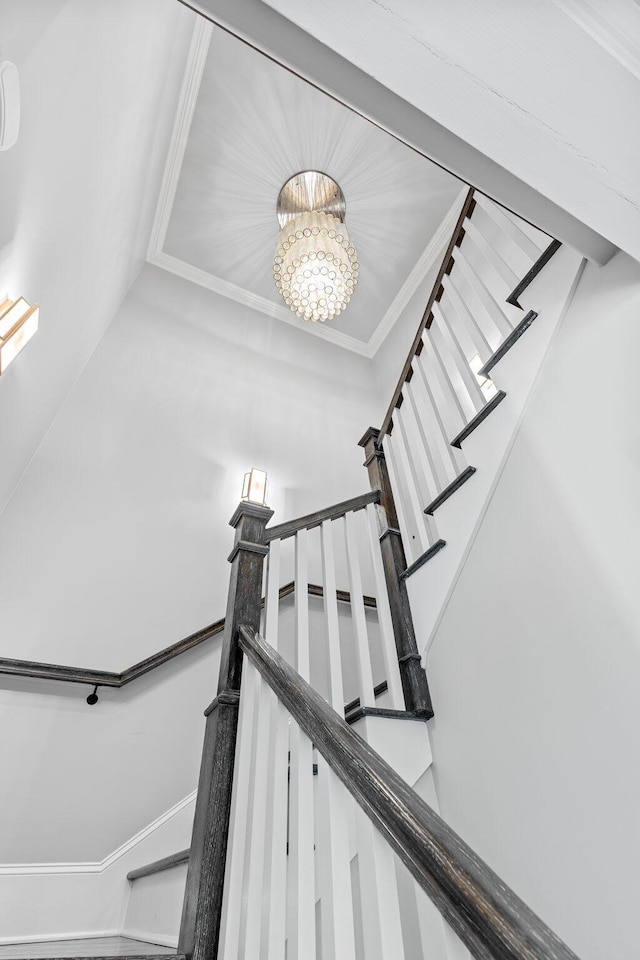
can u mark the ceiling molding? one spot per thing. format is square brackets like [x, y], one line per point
[231, 290]
[156, 255]
[424, 263]
[99, 866]
[196, 60]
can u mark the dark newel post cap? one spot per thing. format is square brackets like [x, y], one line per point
[250, 510]
[372, 433]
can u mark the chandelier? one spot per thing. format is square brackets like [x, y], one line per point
[315, 265]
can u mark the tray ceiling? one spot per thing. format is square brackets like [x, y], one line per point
[244, 125]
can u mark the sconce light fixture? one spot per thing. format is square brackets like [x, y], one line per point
[18, 323]
[254, 488]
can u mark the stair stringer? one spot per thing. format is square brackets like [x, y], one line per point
[487, 448]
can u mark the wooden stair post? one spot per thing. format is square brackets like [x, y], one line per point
[414, 679]
[202, 910]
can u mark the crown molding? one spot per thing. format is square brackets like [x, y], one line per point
[241, 295]
[196, 60]
[156, 256]
[99, 866]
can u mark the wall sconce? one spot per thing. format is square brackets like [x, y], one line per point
[254, 488]
[18, 323]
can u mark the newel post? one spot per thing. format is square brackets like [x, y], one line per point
[202, 910]
[414, 679]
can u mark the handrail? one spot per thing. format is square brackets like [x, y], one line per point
[425, 322]
[489, 918]
[157, 866]
[36, 670]
[283, 530]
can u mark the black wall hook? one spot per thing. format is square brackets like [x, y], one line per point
[93, 697]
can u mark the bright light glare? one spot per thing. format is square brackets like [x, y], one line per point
[254, 488]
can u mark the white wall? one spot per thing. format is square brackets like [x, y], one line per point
[57, 902]
[79, 781]
[99, 84]
[124, 511]
[115, 544]
[535, 669]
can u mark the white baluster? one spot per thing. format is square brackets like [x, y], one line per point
[467, 319]
[389, 652]
[495, 311]
[381, 921]
[335, 875]
[495, 268]
[275, 901]
[253, 881]
[451, 416]
[334, 655]
[465, 382]
[399, 496]
[416, 500]
[508, 226]
[444, 368]
[424, 462]
[301, 922]
[434, 436]
[540, 239]
[358, 616]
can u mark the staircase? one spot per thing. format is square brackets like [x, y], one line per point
[316, 829]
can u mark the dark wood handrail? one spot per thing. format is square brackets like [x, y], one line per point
[488, 917]
[283, 530]
[425, 322]
[36, 670]
[166, 863]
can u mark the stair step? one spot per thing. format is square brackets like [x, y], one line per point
[446, 493]
[479, 417]
[504, 347]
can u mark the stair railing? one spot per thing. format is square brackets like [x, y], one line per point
[444, 392]
[298, 823]
[489, 918]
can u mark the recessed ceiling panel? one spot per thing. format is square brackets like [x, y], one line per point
[254, 125]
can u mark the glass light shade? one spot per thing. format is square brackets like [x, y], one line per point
[18, 324]
[315, 267]
[254, 488]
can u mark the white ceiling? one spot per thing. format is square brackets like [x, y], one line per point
[547, 91]
[244, 126]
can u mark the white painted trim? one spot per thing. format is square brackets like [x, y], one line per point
[45, 938]
[196, 60]
[424, 263]
[256, 302]
[149, 938]
[48, 869]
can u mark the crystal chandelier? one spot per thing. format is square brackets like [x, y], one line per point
[315, 266]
